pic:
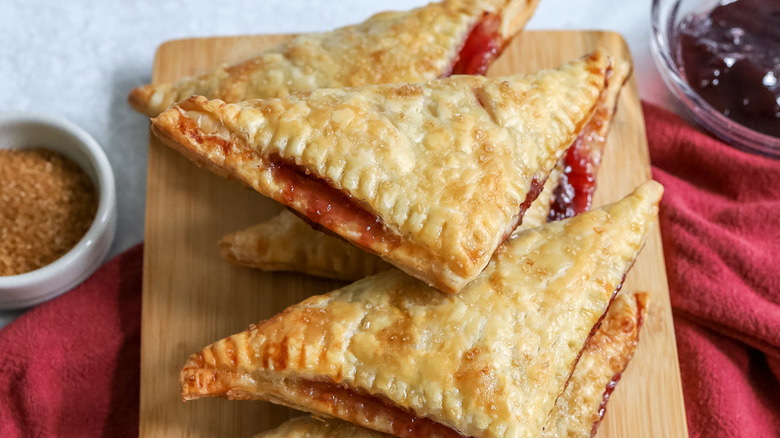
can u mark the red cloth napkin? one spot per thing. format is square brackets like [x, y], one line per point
[70, 367]
[720, 222]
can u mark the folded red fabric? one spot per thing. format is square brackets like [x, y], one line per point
[720, 222]
[70, 367]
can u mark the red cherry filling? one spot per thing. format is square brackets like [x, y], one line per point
[359, 407]
[328, 208]
[483, 45]
[324, 205]
[574, 193]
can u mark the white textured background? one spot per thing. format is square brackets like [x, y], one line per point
[78, 59]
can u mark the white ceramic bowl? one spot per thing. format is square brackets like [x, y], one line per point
[19, 130]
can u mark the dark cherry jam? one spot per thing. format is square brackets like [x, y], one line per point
[574, 193]
[731, 58]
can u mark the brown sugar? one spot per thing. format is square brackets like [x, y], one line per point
[47, 203]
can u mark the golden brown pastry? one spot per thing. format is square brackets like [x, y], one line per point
[288, 243]
[276, 245]
[426, 43]
[392, 354]
[314, 427]
[432, 177]
[577, 412]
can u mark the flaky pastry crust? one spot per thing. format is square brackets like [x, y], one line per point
[597, 130]
[313, 427]
[488, 361]
[275, 245]
[577, 411]
[447, 166]
[389, 47]
[288, 243]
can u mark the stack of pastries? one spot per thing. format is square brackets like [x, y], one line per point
[485, 297]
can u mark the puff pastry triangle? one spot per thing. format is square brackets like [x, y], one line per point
[286, 243]
[394, 355]
[432, 176]
[461, 36]
[578, 410]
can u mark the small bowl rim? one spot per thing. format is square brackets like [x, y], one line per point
[731, 132]
[43, 283]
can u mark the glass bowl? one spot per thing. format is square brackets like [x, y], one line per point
[53, 133]
[666, 17]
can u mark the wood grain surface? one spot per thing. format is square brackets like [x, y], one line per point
[192, 297]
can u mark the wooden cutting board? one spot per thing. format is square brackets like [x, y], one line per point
[192, 297]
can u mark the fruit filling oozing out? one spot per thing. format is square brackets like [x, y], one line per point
[324, 206]
[327, 207]
[482, 46]
[574, 193]
[320, 203]
[356, 406]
